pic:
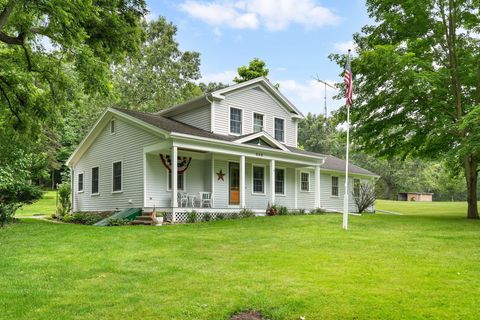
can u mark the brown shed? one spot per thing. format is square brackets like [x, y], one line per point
[415, 196]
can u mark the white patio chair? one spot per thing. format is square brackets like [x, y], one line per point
[206, 199]
[182, 199]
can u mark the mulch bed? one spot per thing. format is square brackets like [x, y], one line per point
[248, 315]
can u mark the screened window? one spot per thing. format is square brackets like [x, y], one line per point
[80, 182]
[335, 186]
[95, 180]
[117, 176]
[180, 183]
[235, 120]
[280, 181]
[304, 181]
[112, 126]
[356, 187]
[257, 122]
[258, 179]
[280, 129]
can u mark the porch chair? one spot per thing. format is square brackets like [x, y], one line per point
[182, 198]
[206, 199]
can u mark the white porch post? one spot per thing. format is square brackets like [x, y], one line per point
[296, 188]
[174, 170]
[272, 182]
[242, 181]
[317, 187]
[213, 179]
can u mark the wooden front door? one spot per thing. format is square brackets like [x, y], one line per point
[234, 183]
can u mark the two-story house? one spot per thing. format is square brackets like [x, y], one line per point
[229, 149]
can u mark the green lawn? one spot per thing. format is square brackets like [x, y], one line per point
[421, 266]
[44, 206]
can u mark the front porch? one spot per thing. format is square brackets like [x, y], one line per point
[234, 179]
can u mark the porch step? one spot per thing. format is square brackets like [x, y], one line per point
[145, 218]
[142, 223]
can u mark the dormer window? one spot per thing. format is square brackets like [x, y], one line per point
[235, 121]
[257, 122]
[112, 126]
[279, 129]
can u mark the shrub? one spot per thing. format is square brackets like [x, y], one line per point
[282, 210]
[366, 197]
[64, 192]
[301, 211]
[13, 196]
[82, 218]
[207, 217]
[247, 213]
[234, 215]
[318, 211]
[219, 216]
[271, 210]
[117, 222]
[192, 216]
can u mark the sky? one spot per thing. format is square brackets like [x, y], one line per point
[293, 37]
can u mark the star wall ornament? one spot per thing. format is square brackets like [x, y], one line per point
[220, 175]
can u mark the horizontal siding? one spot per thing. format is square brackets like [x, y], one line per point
[250, 101]
[306, 199]
[330, 202]
[125, 145]
[199, 117]
[157, 193]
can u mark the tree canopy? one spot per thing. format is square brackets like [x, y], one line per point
[417, 83]
[256, 68]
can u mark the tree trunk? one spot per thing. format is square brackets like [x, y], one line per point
[470, 165]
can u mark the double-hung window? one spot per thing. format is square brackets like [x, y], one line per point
[304, 181]
[356, 187]
[257, 122]
[112, 126]
[280, 181]
[180, 179]
[117, 176]
[258, 179]
[335, 186]
[235, 121]
[95, 180]
[80, 182]
[279, 129]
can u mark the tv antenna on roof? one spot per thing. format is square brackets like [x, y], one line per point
[325, 94]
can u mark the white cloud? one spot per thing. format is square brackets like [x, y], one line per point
[250, 14]
[224, 76]
[308, 96]
[281, 69]
[342, 47]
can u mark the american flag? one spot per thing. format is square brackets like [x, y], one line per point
[348, 81]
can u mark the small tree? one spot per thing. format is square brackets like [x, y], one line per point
[365, 197]
[256, 68]
[13, 196]
[64, 192]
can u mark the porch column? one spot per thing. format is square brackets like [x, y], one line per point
[174, 170]
[272, 182]
[317, 187]
[242, 181]
[296, 189]
[213, 177]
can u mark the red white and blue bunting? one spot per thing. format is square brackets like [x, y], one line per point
[182, 163]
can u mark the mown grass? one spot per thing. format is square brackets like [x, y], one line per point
[44, 206]
[384, 267]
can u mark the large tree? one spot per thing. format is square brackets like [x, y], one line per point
[161, 75]
[256, 68]
[417, 83]
[48, 45]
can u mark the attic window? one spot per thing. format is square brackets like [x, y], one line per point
[112, 126]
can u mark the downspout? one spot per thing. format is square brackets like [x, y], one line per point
[212, 115]
[72, 186]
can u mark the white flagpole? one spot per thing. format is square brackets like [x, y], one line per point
[345, 196]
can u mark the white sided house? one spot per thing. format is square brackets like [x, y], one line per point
[233, 148]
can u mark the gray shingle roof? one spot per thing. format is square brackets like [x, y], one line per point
[170, 125]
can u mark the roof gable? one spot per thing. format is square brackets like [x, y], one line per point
[261, 139]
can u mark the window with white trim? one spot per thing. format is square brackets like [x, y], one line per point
[80, 182]
[180, 180]
[257, 122]
[335, 186]
[117, 176]
[356, 187]
[235, 120]
[280, 181]
[304, 181]
[95, 180]
[258, 179]
[279, 129]
[112, 126]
